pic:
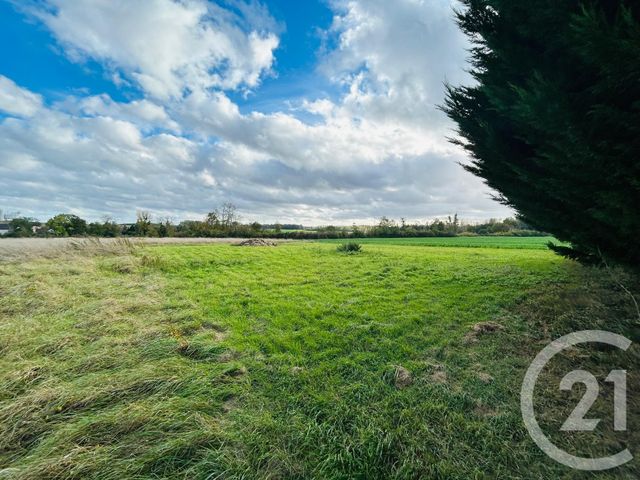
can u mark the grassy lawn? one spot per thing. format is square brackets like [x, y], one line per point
[294, 361]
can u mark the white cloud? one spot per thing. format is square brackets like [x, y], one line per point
[143, 113]
[378, 149]
[166, 46]
[395, 58]
[17, 101]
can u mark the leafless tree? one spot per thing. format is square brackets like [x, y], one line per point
[229, 214]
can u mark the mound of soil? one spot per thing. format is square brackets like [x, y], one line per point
[403, 377]
[482, 328]
[256, 242]
[486, 327]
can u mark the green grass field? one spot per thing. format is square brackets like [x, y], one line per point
[538, 243]
[290, 362]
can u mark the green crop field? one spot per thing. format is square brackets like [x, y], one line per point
[293, 362]
[539, 243]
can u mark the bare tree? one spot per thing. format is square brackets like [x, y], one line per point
[229, 215]
[9, 215]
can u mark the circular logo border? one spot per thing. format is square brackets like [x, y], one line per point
[526, 400]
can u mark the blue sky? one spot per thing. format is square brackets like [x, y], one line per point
[313, 112]
[31, 60]
[35, 61]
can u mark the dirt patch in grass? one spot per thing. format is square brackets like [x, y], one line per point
[256, 242]
[402, 377]
[483, 328]
[487, 327]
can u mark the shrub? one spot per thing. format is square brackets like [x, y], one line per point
[349, 247]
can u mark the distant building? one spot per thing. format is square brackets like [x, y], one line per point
[4, 228]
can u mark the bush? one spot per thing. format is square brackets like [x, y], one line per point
[349, 247]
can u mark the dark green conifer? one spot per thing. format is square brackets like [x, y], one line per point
[553, 120]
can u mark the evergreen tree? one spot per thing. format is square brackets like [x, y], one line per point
[553, 121]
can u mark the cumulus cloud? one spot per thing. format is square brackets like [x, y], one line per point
[17, 101]
[143, 113]
[166, 46]
[395, 57]
[378, 148]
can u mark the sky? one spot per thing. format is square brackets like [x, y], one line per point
[313, 112]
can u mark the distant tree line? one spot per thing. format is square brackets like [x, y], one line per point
[225, 222]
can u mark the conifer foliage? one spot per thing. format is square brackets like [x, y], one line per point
[553, 119]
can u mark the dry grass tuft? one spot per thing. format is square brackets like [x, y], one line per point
[17, 250]
[90, 373]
